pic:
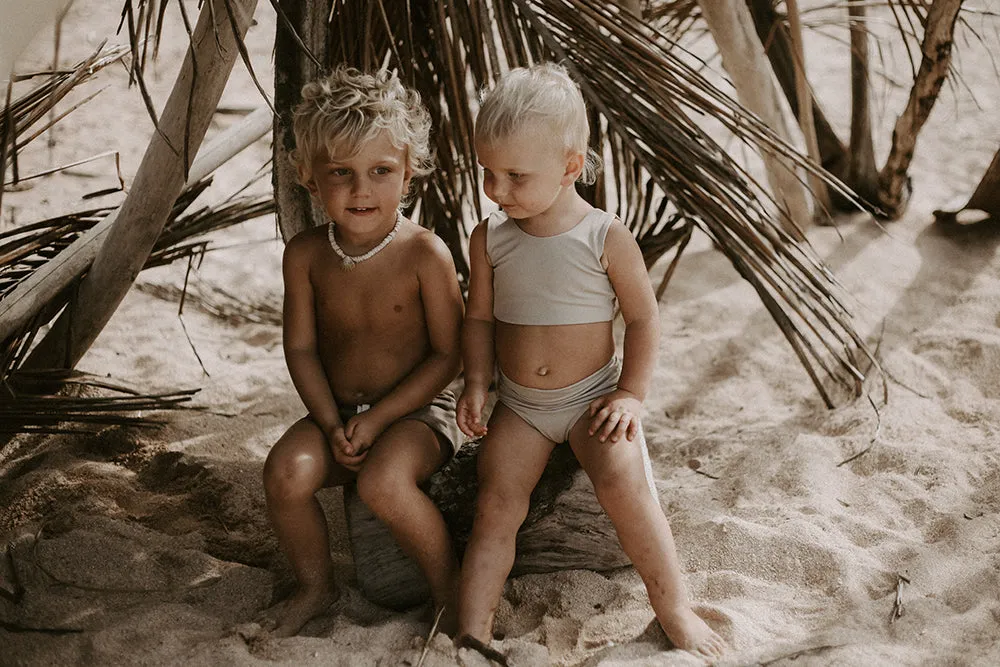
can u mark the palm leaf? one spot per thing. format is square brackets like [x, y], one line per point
[668, 173]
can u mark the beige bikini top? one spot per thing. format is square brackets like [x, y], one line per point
[547, 280]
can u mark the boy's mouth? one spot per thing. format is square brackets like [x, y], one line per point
[360, 210]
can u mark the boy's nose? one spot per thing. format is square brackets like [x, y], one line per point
[360, 185]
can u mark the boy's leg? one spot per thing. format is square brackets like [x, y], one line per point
[618, 473]
[512, 458]
[299, 465]
[402, 458]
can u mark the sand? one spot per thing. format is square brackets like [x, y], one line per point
[142, 546]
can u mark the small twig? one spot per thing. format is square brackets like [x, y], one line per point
[193, 348]
[871, 443]
[706, 474]
[897, 604]
[796, 654]
[465, 641]
[430, 636]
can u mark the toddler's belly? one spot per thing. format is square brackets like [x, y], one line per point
[550, 357]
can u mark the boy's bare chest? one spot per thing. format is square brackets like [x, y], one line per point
[373, 299]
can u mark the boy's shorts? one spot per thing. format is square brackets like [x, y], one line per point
[439, 414]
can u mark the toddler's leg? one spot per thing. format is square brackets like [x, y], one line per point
[618, 474]
[403, 457]
[512, 458]
[300, 464]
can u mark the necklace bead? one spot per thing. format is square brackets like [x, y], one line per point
[348, 262]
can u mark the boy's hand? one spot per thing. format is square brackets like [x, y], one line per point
[362, 431]
[343, 450]
[469, 413]
[615, 415]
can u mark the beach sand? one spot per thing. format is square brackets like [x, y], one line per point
[150, 546]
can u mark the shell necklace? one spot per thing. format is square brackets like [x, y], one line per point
[347, 262]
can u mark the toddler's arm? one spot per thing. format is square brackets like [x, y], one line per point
[477, 337]
[616, 415]
[301, 356]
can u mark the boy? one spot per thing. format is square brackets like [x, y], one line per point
[372, 317]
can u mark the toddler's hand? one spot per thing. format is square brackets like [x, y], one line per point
[343, 451]
[469, 413]
[614, 416]
[363, 430]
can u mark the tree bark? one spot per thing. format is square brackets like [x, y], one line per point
[293, 68]
[744, 60]
[862, 174]
[804, 95]
[777, 44]
[157, 184]
[893, 181]
[987, 195]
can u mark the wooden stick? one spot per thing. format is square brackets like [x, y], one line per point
[27, 299]
[157, 184]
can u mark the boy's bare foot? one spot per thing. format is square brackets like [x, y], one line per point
[687, 631]
[286, 618]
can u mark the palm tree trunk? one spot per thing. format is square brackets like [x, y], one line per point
[744, 60]
[804, 95]
[862, 174]
[160, 179]
[893, 182]
[777, 44]
[987, 195]
[293, 67]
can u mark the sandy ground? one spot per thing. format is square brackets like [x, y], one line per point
[151, 547]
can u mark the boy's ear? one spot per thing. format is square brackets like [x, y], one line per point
[574, 167]
[306, 179]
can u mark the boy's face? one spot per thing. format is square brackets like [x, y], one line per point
[361, 192]
[526, 172]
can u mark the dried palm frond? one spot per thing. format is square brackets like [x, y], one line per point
[26, 407]
[23, 113]
[25, 248]
[668, 173]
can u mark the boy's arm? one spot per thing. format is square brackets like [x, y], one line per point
[477, 337]
[299, 338]
[443, 316]
[618, 411]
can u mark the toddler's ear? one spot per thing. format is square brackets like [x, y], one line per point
[574, 167]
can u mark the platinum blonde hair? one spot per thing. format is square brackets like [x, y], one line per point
[347, 108]
[543, 94]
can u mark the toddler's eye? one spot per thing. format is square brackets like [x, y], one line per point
[514, 175]
[340, 171]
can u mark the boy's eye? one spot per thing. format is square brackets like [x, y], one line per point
[382, 171]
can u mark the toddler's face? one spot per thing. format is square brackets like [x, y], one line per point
[525, 172]
[361, 192]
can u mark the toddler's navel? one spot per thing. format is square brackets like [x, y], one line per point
[543, 370]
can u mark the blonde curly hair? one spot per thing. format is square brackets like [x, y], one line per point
[541, 94]
[347, 108]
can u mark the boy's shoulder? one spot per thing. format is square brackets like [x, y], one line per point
[421, 244]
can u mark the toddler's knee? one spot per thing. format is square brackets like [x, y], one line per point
[379, 489]
[296, 476]
[498, 507]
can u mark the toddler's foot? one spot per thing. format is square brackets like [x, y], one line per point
[286, 618]
[690, 633]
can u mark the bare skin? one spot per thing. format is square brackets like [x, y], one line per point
[523, 175]
[384, 333]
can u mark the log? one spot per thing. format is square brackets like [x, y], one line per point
[566, 528]
[30, 297]
[158, 182]
[893, 181]
[743, 58]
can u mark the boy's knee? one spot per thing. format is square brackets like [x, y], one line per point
[293, 475]
[378, 488]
